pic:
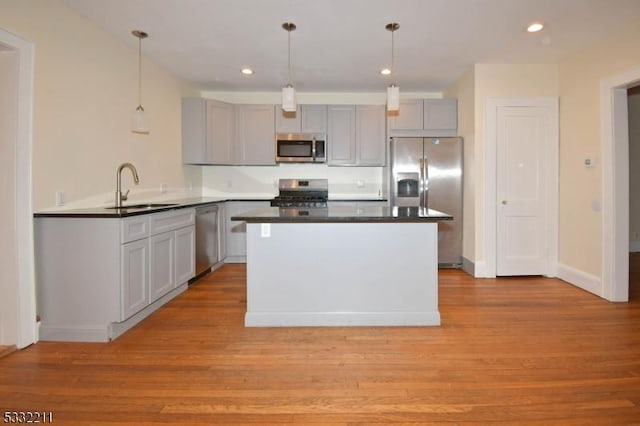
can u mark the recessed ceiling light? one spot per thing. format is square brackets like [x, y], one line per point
[385, 71]
[247, 71]
[535, 27]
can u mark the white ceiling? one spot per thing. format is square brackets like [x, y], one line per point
[340, 45]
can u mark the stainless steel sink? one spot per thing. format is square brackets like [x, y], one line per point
[144, 206]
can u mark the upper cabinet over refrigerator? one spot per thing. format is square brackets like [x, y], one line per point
[425, 118]
[427, 173]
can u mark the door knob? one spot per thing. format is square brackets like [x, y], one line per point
[504, 202]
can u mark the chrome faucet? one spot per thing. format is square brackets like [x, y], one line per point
[120, 197]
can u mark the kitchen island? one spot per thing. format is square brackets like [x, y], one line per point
[342, 266]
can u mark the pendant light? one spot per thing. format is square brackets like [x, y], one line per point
[393, 91]
[140, 120]
[288, 92]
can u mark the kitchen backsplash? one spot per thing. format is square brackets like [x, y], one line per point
[243, 181]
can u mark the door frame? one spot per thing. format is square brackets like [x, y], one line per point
[614, 128]
[488, 269]
[26, 303]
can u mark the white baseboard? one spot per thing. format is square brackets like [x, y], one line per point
[341, 319]
[480, 271]
[583, 280]
[634, 246]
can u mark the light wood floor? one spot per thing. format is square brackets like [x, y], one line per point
[511, 351]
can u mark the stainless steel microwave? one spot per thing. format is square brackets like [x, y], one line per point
[301, 148]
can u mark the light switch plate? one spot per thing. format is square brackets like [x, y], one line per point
[265, 230]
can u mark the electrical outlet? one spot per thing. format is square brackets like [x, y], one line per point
[59, 198]
[163, 188]
[360, 184]
[265, 230]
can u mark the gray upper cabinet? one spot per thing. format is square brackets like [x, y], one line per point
[341, 136]
[208, 128]
[221, 133]
[437, 117]
[314, 119]
[288, 121]
[356, 135]
[410, 116]
[370, 135]
[440, 114]
[255, 135]
[306, 119]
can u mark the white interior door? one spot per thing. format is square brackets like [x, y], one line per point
[522, 135]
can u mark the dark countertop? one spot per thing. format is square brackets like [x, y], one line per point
[107, 212]
[341, 214]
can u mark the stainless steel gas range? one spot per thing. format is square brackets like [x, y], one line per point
[302, 194]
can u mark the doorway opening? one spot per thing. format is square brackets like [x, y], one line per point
[615, 184]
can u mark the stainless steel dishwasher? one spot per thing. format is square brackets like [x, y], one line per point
[206, 238]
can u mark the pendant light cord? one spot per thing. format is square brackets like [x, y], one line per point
[288, 27]
[289, 56]
[392, 53]
[392, 27]
[140, 72]
[139, 35]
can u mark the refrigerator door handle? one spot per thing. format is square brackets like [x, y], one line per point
[425, 174]
[421, 187]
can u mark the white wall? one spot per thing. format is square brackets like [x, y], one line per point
[261, 181]
[85, 90]
[464, 91]
[503, 81]
[472, 90]
[580, 225]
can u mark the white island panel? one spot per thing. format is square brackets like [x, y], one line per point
[333, 274]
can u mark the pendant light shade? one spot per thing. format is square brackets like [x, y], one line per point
[393, 91]
[289, 92]
[288, 98]
[140, 119]
[393, 98]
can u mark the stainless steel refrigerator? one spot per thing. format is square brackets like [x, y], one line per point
[427, 173]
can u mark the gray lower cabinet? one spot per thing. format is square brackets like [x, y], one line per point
[98, 277]
[162, 264]
[135, 278]
[185, 254]
[222, 231]
[236, 232]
